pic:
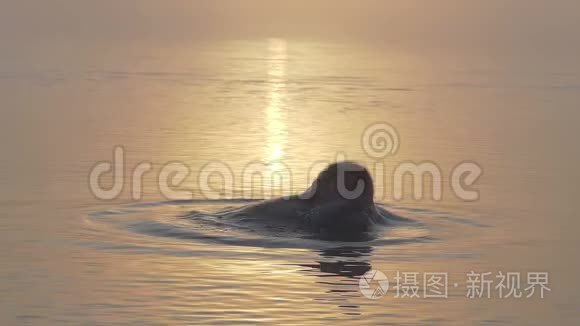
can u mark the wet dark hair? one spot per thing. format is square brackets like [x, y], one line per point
[343, 181]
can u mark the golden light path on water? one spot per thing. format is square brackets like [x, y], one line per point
[274, 112]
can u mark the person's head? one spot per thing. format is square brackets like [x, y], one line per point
[343, 181]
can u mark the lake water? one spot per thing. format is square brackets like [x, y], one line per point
[68, 257]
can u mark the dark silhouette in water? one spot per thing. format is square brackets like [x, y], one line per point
[338, 206]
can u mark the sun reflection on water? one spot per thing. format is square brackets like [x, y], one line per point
[274, 111]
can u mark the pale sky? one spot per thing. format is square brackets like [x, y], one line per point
[418, 23]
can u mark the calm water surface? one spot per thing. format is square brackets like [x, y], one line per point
[69, 258]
